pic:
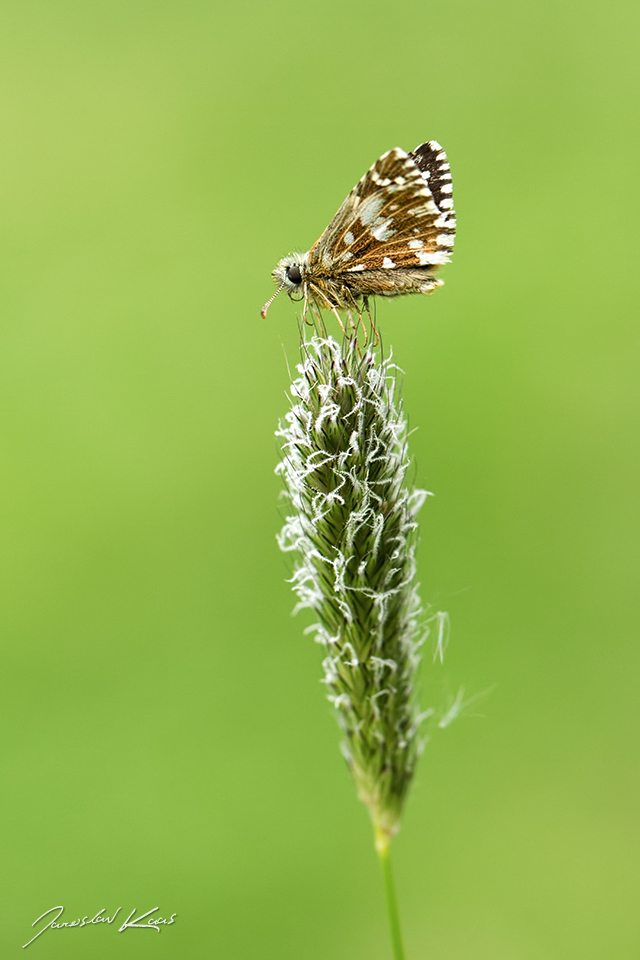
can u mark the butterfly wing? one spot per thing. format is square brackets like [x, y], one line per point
[432, 162]
[391, 219]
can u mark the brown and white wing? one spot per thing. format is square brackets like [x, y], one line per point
[391, 219]
[432, 161]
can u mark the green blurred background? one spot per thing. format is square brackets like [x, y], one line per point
[166, 741]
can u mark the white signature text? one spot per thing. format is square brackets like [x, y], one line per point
[153, 923]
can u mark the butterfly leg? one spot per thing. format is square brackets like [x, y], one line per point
[374, 329]
[317, 323]
[354, 326]
[364, 329]
[331, 307]
[339, 319]
[304, 308]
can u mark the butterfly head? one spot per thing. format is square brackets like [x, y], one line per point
[290, 274]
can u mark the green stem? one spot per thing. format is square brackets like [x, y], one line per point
[383, 844]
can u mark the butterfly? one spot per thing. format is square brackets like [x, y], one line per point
[391, 234]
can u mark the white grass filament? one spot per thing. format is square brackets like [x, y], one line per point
[352, 525]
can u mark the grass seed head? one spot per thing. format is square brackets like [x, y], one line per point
[352, 526]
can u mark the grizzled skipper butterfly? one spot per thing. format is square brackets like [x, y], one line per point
[391, 234]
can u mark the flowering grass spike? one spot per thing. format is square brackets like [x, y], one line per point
[353, 527]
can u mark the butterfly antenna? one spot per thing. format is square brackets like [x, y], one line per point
[263, 312]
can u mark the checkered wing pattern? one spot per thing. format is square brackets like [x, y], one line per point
[432, 162]
[391, 219]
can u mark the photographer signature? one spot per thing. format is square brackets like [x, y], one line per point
[153, 923]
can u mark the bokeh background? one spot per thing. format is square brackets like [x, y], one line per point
[165, 738]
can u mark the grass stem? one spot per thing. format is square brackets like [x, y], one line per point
[383, 848]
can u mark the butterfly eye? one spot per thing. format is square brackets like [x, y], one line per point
[293, 273]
